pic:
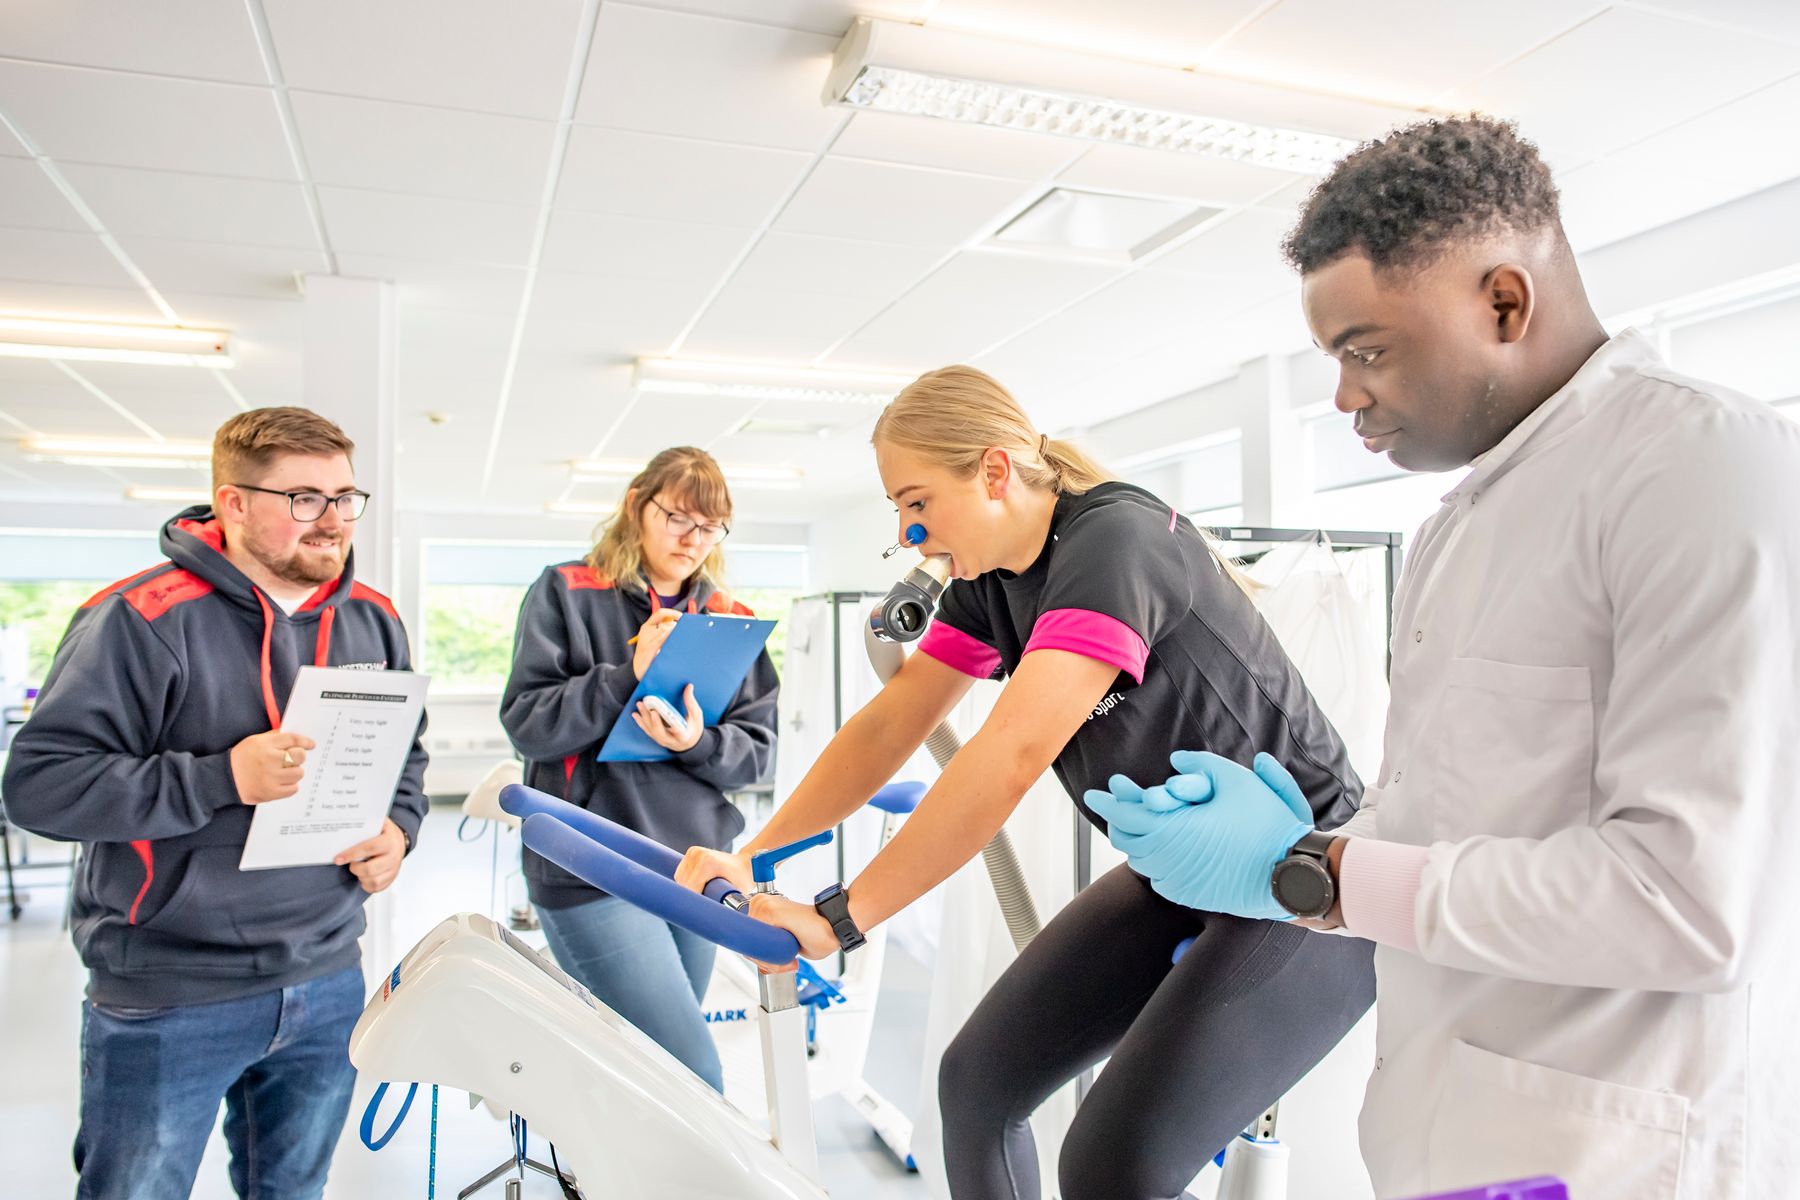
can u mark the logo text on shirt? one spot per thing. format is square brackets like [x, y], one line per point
[1111, 702]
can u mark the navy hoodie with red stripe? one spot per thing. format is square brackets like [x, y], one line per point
[128, 752]
[571, 677]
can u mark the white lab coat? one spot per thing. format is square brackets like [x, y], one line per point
[1595, 727]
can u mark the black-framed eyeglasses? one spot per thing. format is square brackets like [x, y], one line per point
[680, 525]
[310, 506]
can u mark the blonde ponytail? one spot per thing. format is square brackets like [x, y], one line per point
[951, 417]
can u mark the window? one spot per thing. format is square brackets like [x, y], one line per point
[472, 595]
[45, 575]
[473, 591]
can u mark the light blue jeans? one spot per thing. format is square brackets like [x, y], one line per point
[152, 1080]
[643, 968]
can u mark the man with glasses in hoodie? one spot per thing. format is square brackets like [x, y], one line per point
[155, 736]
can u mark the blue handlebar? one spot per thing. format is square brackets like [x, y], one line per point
[612, 871]
[522, 802]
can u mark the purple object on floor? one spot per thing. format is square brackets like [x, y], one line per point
[1544, 1187]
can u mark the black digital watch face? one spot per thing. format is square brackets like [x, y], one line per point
[1303, 888]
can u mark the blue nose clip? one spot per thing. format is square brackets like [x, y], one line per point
[915, 536]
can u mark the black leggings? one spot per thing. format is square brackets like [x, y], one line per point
[1198, 1049]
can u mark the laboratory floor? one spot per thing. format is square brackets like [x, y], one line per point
[40, 991]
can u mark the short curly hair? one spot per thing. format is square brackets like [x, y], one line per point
[1401, 198]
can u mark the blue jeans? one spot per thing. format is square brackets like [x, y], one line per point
[643, 968]
[152, 1080]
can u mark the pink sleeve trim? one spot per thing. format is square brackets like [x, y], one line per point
[1092, 635]
[956, 649]
[1379, 885]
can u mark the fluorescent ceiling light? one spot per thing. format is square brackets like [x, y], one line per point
[888, 66]
[765, 381]
[169, 495]
[87, 341]
[579, 508]
[742, 474]
[117, 452]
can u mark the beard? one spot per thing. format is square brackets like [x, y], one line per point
[301, 566]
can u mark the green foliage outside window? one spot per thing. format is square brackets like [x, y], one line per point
[468, 636]
[43, 609]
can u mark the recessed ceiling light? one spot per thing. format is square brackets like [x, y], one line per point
[766, 381]
[169, 495]
[579, 508]
[155, 345]
[117, 452]
[742, 474]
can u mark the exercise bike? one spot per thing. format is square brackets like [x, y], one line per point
[623, 1115]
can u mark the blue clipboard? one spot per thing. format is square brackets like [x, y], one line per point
[712, 652]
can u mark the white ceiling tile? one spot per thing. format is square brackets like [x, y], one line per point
[597, 317]
[640, 248]
[755, 323]
[833, 266]
[429, 151]
[88, 303]
[657, 422]
[1401, 51]
[1749, 144]
[954, 146]
[976, 300]
[820, 16]
[1139, 312]
[199, 39]
[260, 271]
[469, 54]
[217, 208]
[1623, 76]
[666, 72]
[1244, 248]
[429, 227]
[456, 287]
[901, 205]
[28, 200]
[82, 115]
[1768, 18]
[1213, 181]
[71, 258]
[1141, 30]
[676, 179]
[1607, 201]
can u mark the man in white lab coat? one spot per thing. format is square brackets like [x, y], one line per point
[1577, 857]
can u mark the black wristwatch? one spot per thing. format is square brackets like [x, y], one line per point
[834, 905]
[1302, 881]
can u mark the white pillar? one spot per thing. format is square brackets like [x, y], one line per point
[350, 336]
[1276, 459]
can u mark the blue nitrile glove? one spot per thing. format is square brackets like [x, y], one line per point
[1210, 836]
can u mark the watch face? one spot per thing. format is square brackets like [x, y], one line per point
[1302, 887]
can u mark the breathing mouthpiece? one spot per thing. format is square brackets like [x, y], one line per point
[905, 611]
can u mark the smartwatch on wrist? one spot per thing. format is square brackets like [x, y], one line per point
[1302, 881]
[834, 905]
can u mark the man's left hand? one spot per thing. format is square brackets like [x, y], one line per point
[376, 862]
[1209, 837]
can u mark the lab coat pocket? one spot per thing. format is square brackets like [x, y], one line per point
[1504, 1118]
[1515, 752]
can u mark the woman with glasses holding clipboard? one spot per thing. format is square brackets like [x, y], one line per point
[588, 632]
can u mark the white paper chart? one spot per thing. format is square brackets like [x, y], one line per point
[364, 723]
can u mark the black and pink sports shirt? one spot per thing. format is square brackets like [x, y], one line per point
[1126, 580]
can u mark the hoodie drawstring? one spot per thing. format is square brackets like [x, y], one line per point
[321, 654]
